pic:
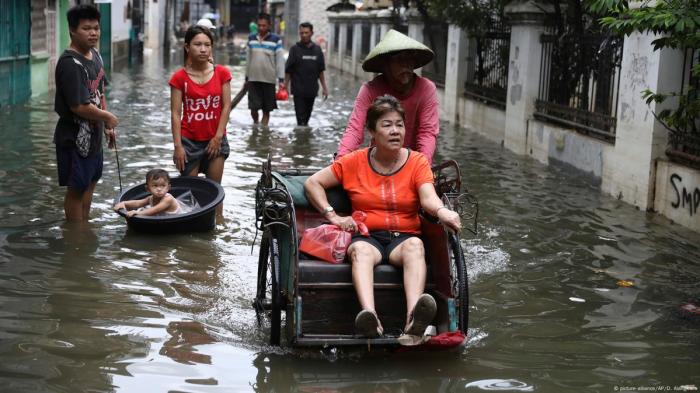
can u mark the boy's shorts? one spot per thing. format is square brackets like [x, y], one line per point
[384, 241]
[77, 172]
[261, 95]
[196, 152]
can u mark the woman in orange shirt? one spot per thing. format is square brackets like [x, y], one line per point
[390, 183]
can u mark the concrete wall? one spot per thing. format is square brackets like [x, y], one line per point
[678, 193]
[640, 139]
[483, 119]
[155, 24]
[121, 26]
[314, 12]
[549, 143]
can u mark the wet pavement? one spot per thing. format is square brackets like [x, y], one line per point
[571, 290]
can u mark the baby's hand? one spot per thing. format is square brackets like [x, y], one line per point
[131, 213]
[119, 206]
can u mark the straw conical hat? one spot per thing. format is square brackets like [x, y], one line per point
[393, 42]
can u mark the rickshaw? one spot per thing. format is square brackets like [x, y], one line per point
[318, 298]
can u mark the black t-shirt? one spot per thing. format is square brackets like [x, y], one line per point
[305, 64]
[78, 81]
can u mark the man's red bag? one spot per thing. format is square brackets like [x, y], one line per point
[326, 242]
[282, 94]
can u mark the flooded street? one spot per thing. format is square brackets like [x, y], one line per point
[571, 290]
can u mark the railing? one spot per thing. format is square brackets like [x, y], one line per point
[435, 36]
[365, 44]
[348, 40]
[579, 82]
[487, 72]
[336, 38]
[684, 145]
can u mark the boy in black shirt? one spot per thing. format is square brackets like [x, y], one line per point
[81, 107]
[305, 66]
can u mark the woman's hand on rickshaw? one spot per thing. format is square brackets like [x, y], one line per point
[345, 223]
[179, 158]
[214, 147]
[450, 219]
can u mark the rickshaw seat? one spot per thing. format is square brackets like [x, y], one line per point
[295, 187]
[317, 272]
[314, 272]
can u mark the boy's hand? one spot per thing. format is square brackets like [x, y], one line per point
[111, 138]
[119, 206]
[112, 121]
[131, 213]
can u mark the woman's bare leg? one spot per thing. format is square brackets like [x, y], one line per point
[215, 172]
[410, 255]
[364, 258]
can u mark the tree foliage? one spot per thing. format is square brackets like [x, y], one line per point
[677, 24]
[474, 16]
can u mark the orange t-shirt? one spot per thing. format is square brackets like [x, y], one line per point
[390, 201]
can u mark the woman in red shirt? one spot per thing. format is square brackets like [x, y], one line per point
[200, 102]
[390, 183]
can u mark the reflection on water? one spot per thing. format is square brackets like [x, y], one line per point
[96, 307]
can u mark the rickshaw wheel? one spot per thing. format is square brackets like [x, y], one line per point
[460, 284]
[267, 296]
[275, 298]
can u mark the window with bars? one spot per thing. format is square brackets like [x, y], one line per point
[579, 81]
[684, 144]
[487, 69]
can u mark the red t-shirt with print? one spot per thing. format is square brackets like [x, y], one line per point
[201, 103]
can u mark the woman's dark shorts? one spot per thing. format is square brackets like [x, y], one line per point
[261, 95]
[196, 152]
[77, 172]
[384, 241]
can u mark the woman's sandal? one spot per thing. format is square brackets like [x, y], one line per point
[367, 324]
[421, 316]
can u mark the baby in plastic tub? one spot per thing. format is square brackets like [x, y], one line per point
[160, 202]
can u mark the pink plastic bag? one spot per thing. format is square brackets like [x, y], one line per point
[326, 242]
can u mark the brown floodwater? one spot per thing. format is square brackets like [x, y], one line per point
[96, 307]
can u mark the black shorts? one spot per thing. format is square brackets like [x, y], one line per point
[384, 241]
[261, 95]
[77, 172]
[196, 152]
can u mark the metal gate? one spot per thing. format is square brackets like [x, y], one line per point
[15, 71]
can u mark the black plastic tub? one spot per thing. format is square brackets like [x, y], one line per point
[209, 194]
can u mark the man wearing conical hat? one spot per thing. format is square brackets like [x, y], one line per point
[395, 57]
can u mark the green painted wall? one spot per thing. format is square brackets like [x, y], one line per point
[40, 75]
[62, 35]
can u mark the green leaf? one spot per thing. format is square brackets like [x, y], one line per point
[680, 25]
[664, 114]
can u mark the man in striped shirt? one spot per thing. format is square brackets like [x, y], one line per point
[265, 67]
